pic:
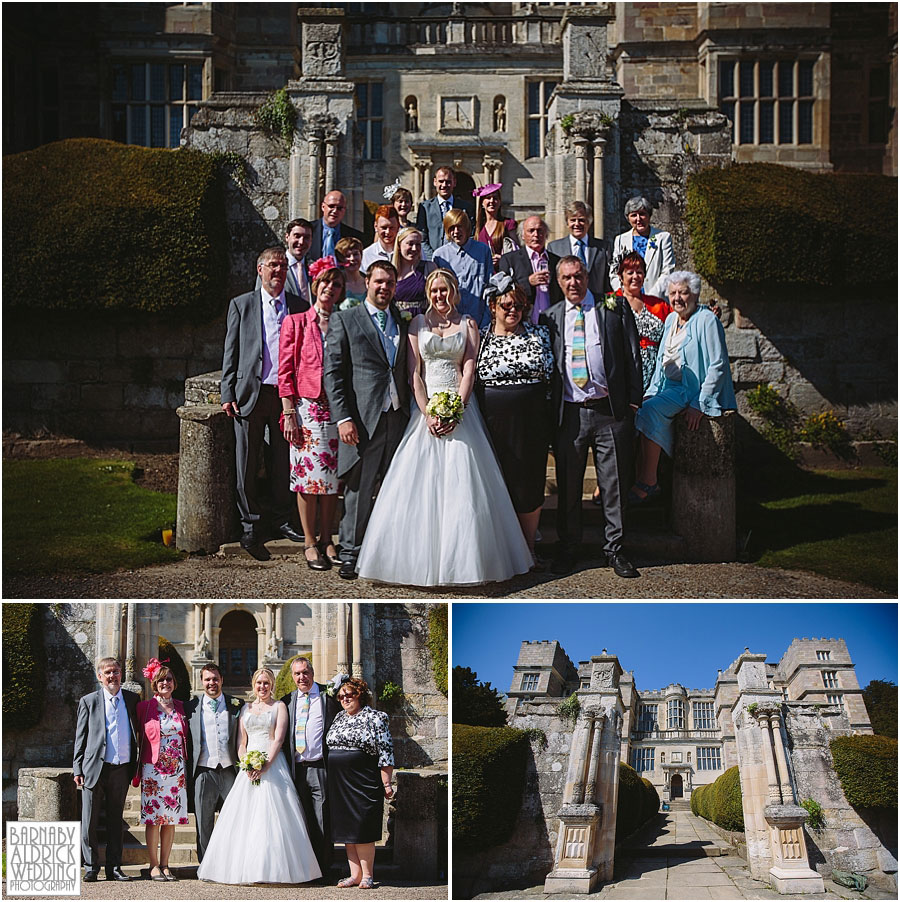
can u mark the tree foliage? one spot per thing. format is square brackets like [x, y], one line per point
[475, 703]
[880, 697]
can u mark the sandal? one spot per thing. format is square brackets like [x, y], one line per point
[346, 883]
[367, 883]
[650, 491]
[160, 876]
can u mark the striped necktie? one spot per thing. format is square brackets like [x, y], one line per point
[300, 728]
[579, 359]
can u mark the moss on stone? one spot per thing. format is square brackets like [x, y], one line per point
[24, 665]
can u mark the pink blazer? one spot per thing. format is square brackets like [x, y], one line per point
[148, 729]
[300, 356]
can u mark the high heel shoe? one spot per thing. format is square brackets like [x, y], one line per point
[319, 562]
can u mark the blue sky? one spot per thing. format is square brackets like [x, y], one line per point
[671, 642]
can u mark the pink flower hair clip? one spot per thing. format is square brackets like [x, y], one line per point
[321, 265]
[154, 665]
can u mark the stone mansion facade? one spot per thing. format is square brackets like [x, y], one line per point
[680, 738]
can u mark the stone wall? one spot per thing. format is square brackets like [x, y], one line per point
[527, 857]
[846, 841]
[69, 642]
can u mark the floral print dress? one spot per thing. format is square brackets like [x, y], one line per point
[163, 793]
[314, 463]
[649, 329]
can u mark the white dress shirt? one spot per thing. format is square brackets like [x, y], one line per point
[372, 253]
[273, 311]
[215, 750]
[118, 740]
[315, 725]
[593, 351]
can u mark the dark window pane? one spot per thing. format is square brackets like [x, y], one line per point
[805, 78]
[119, 83]
[176, 114]
[549, 88]
[176, 82]
[362, 99]
[747, 121]
[220, 80]
[534, 97]
[878, 82]
[237, 662]
[157, 126]
[746, 77]
[375, 91]
[534, 137]
[376, 141]
[138, 73]
[726, 79]
[251, 661]
[728, 110]
[766, 78]
[119, 124]
[786, 122]
[767, 122]
[785, 79]
[805, 122]
[50, 86]
[195, 82]
[157, 81]
[138, 125]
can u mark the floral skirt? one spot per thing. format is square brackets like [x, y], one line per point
[314, 464]
[163, 793]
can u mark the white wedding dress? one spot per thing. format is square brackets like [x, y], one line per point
[260, 836]
[443, 516]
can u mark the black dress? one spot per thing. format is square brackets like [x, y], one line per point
[513, 384]
[358, 747]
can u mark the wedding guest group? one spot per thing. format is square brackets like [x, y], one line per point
[430, 397]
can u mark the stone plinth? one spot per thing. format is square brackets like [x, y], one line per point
[419, 825]
[574, 873]
[791, 872]
[47, 794]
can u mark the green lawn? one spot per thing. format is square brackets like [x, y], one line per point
[81, 515]
[840, 523]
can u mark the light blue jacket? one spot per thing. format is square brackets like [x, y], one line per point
[705, 371]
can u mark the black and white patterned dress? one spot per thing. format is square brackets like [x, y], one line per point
[513, 389]
[358, 747]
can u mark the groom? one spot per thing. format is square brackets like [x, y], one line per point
[368, 392]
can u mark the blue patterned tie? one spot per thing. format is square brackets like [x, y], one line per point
[579, 358]
[581, 255]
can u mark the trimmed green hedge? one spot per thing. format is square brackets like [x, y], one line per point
[721, 801]
[178, 667]
[114, 227]
[867, 769]
[284, 679]
[488, 779]
[24, 665]
[638, 801]
[437, 645]
[769, 224]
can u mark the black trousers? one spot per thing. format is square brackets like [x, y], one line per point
[311, 785]
[110, 792]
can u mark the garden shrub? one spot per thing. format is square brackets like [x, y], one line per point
[488, 780]
[24, 665]
[743, 223]
[284, 679]
[437, 645]
[867, 769]
[638, 801]
[178, 668]
[650, 805]
[128, 229]
[721, 801]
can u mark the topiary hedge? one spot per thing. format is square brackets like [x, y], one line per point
[488, 779]
[284, 679]
[638, 801]
[24, 665]
[178, 667]
[437, 645]
[769, 224]
[721, 801]
[867, 769]
[115, 228]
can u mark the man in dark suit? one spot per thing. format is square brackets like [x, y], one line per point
[213, 730]
[328, 230]
[533, 267]
[430, 217]
[311, 711]
[297, 238]
[368, 392]
[250, 395]
[595, 253]
[596, 388]
[104, 763]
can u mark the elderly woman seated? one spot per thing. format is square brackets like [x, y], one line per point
[691, 375]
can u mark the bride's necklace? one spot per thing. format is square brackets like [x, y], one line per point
[436, 324]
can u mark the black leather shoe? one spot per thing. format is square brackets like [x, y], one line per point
[622, 566]
[248, 539]
[348, 570]
[91, 876]
[319, 562]
[563, 563]
[288, 532]
[117, 874]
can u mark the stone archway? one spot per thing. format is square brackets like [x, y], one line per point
[465, 185]
[238, 650]
[676, 787]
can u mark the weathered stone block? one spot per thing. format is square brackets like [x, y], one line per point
[102, 397]
[144, 396]
[758, 372]
[741, 343]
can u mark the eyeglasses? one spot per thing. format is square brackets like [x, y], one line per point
[508, 308]
[276, 265]
[346, 696]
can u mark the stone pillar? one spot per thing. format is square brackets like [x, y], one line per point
[312, 177]
[356, 663]
[330, 155]
[296, 205]
[128, 680]
[581, 167]
[207, 512]
[598, 187]
[202, 645]
[279, 628]
[117, 630]
[417, 811]
[768, 754]
[428, 176]
[343, 665]
[787, 786]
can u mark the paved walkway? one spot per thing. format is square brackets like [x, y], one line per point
[678, 856]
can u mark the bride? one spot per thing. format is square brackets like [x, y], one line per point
[443, 516]
[260, 836]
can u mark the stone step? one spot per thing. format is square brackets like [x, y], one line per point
[676, 850]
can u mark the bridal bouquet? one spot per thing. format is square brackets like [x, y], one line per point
[253, 761]
[446, 406]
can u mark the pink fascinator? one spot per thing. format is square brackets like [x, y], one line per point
[154, 665]
[317, 267]
[484, 190]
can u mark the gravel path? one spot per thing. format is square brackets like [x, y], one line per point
[239, 576]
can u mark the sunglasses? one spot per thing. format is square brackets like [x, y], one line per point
[508, 308]
[345, 696]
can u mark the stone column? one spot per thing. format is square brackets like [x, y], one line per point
[598, 202]
[330, 155]
[296, 205]
[787, 787]
[312, 185]
[343, 665]
[769, 761]
[117, 629]
[581, 167]
[128, 680]
[356, 663]
[279, 628]
[428, 177]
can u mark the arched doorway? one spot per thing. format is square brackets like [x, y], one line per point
[465, 185]
[676, 787]
[237, 649]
